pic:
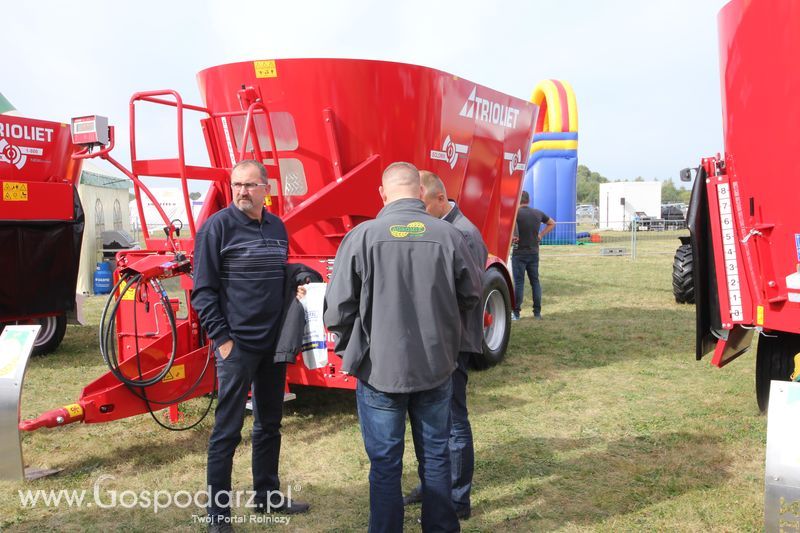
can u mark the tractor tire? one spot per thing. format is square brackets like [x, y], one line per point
[774, 360]
[51, 334]
[496, 303]
[683, 275]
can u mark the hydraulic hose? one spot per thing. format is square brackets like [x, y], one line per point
[107, 345]
[137, 386]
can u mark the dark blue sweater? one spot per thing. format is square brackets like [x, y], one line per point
[239, 267]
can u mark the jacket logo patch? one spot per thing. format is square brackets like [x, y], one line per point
[412, 228]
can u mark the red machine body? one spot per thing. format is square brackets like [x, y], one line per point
[41, 225]
[37, 171]
[330, 116]
[325, 129]
[750, 197]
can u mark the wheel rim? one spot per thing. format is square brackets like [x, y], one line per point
[48, 330]
[495, 330]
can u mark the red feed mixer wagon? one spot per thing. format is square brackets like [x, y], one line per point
[325, 129]
[744, 216]
[41, 227]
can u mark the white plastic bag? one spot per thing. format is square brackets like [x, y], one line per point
[315, 350]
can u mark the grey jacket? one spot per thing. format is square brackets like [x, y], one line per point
[472, 320]
[398, 287]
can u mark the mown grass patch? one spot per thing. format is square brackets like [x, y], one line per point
[599, 419]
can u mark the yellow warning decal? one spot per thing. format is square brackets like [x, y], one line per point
[759, 315]
[794, 375]
[130, 294]
[175, 373]
[15, 192]
[265, 69]
[74, 410]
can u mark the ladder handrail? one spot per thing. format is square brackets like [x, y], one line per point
[249, 125]
[151, 96]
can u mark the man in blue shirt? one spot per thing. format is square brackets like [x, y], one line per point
[239, 268]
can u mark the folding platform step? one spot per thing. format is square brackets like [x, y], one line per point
[171, 168]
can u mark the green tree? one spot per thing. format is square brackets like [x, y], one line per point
[671, 194]
[588, 185]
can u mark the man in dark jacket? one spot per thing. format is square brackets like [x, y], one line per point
[462, 453]
[399, 285]
[239, 270]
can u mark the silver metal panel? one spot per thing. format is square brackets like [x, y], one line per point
[16, 343]
[782, 472]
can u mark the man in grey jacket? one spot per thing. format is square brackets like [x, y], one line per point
[399, 285]
[462, 453]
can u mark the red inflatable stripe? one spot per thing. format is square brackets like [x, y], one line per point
[562, 97]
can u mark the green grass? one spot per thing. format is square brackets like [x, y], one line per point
[599, 419]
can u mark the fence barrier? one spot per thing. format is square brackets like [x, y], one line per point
[621, 238]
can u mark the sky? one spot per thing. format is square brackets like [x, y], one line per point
[645, 73]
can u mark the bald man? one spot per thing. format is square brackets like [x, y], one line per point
[462, 455]
[399, 285]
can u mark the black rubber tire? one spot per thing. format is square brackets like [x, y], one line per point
[497, 298]
[51, 334]
[774, 360]
[683, 275]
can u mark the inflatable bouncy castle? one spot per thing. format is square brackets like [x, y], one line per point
[551, 173]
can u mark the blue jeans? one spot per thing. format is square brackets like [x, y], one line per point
[235, 375]
[520, 264]
[462, 452]
[383, 423]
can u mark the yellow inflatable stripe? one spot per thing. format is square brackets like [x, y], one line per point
[554, 145]
[547, 90]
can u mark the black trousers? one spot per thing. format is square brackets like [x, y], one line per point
[235, 375]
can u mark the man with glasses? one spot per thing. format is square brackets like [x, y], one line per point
[239, 261]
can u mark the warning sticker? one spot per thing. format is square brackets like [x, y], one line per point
[15, 192]
[130, 294]
[175, 373]
[74, 410]
[760, 315]
[265, 69]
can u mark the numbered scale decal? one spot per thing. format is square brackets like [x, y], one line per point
[729, 250]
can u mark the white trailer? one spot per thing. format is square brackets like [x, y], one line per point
[622, 200]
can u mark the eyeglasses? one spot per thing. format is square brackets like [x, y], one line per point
[247, 186]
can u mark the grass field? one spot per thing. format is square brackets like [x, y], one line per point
[599, 419]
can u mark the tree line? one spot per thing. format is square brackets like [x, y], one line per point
[588, 187]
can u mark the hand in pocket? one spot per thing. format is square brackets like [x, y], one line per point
[225, 349]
